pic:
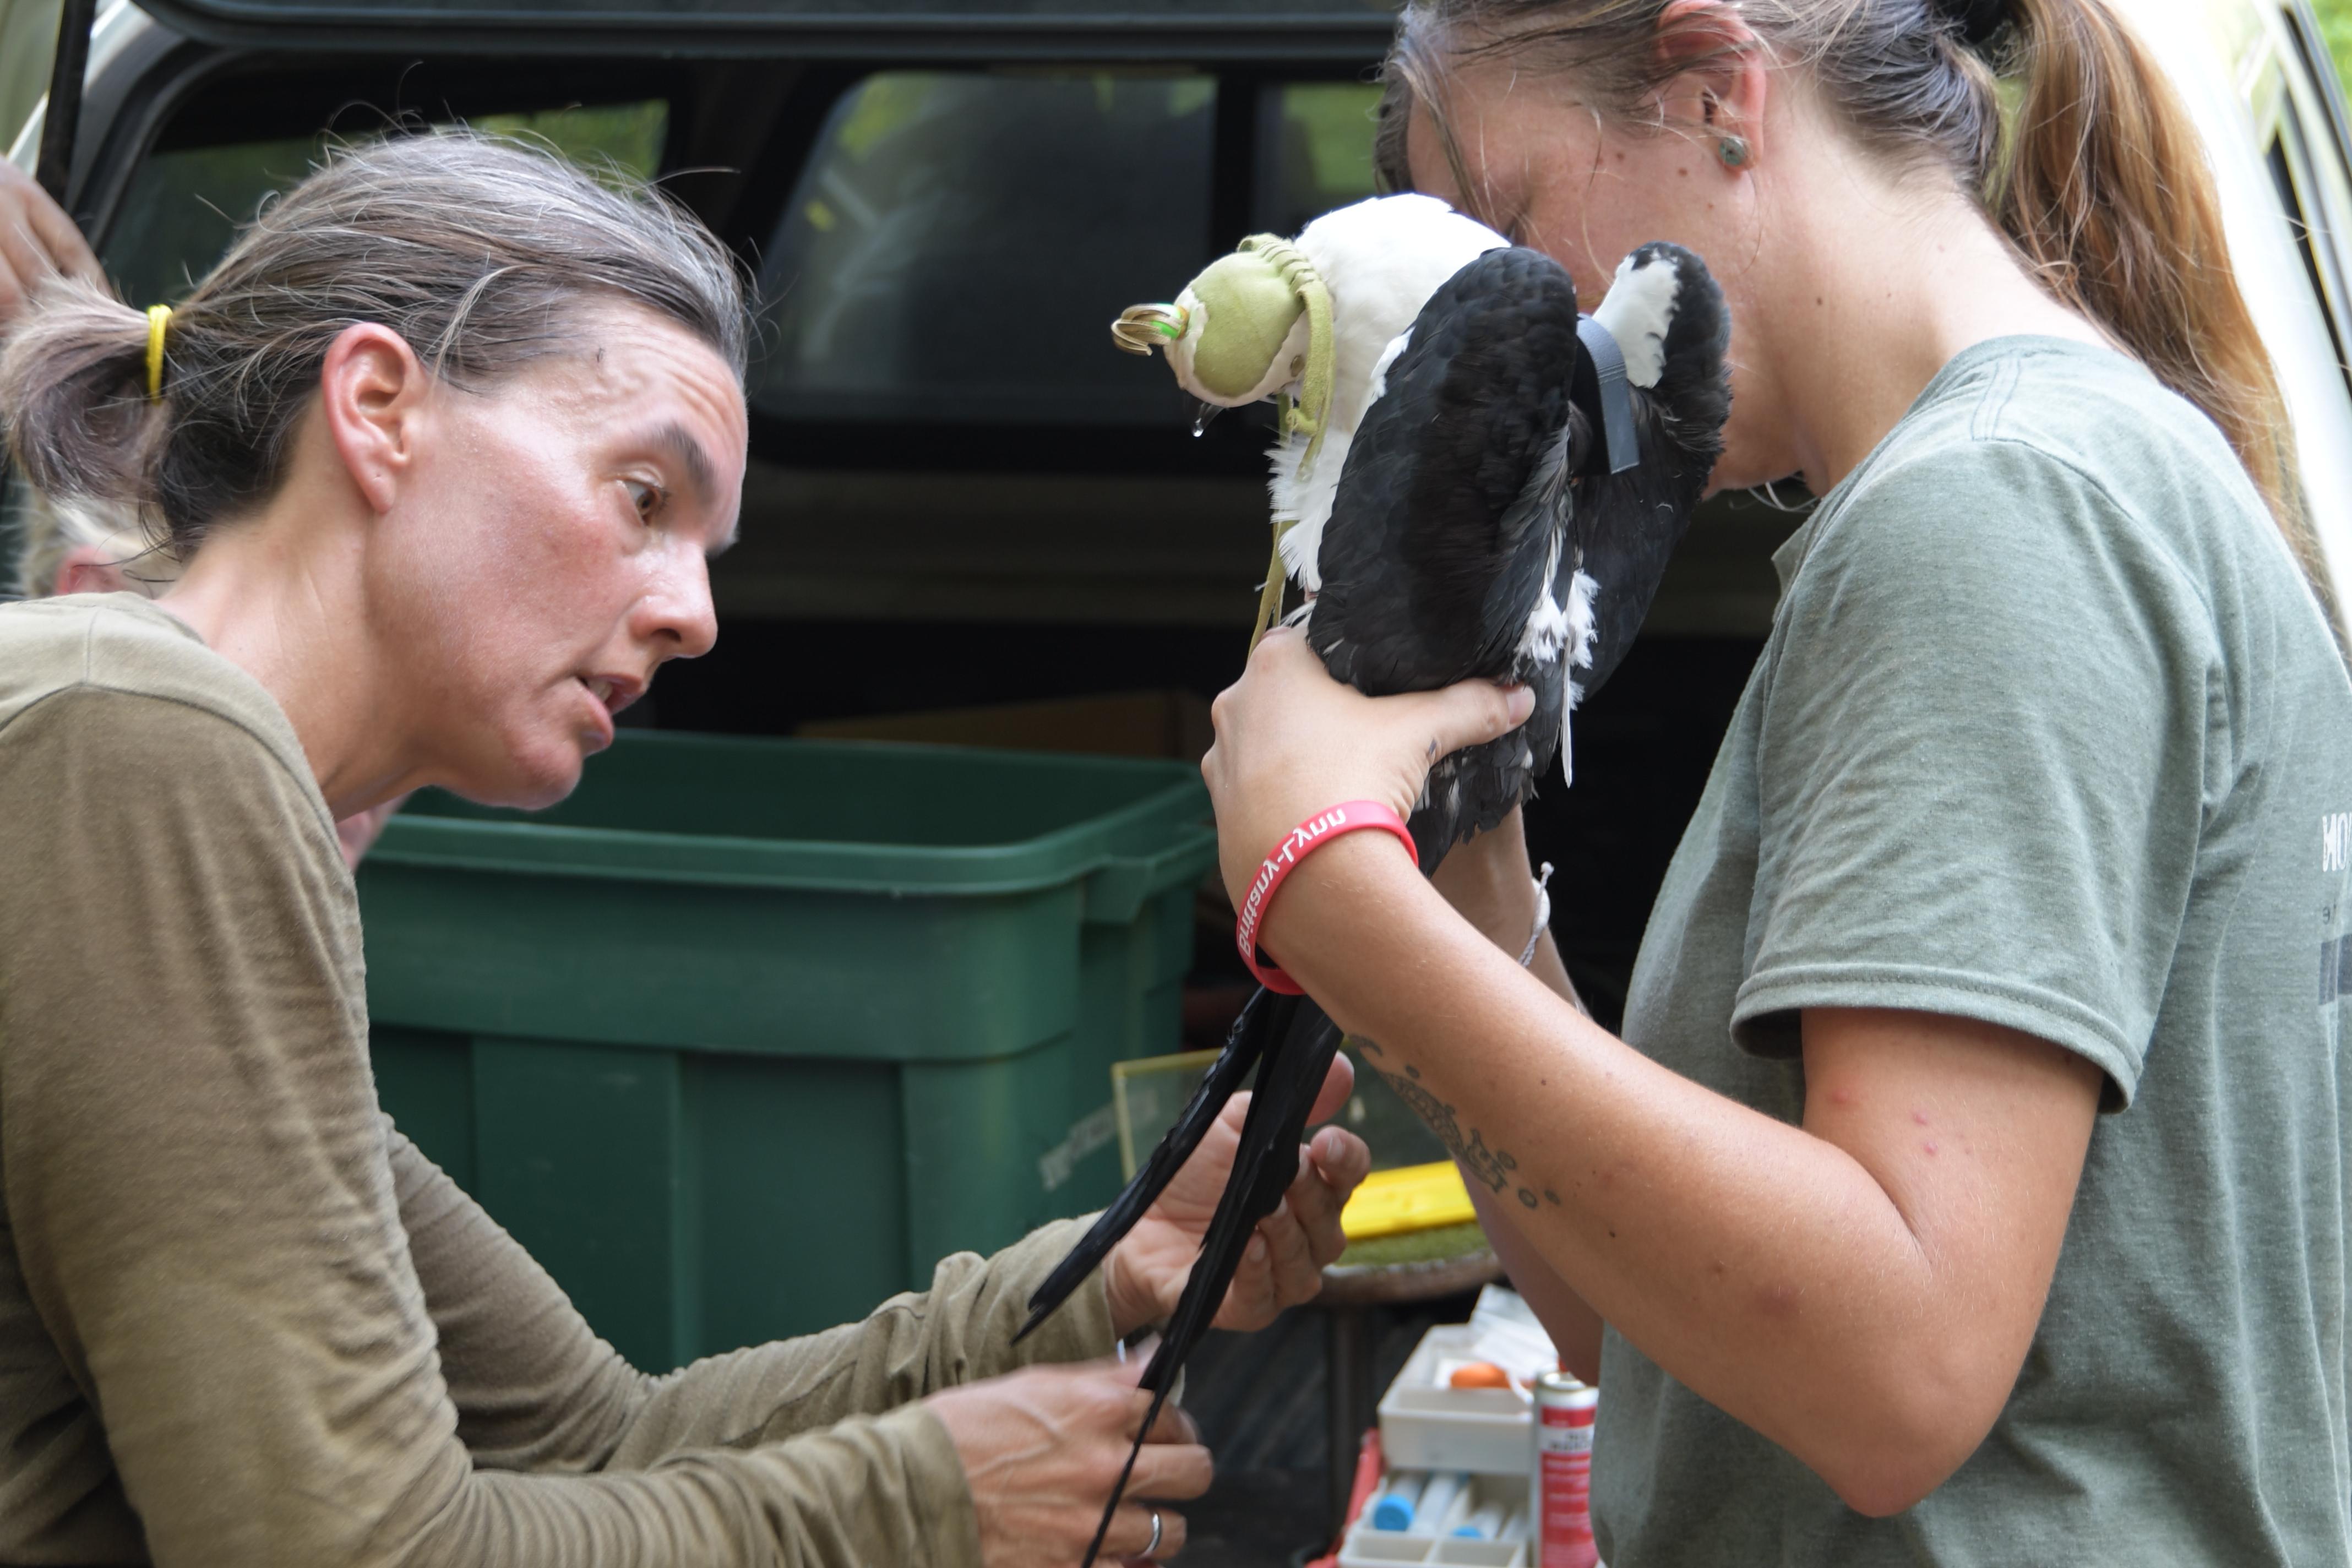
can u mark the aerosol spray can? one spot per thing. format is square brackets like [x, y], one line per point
[1563, 1472]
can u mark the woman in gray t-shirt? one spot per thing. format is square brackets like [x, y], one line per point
[2038, 804]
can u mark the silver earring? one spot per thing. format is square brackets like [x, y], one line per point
[1733, 151]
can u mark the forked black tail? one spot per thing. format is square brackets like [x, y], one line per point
[1291, 1043]
[1296, 1054]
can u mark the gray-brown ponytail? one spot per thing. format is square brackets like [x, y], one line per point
[475, 251]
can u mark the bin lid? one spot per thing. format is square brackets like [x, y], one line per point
[865, 817]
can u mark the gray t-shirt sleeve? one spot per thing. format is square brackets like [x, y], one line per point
[2006, 830]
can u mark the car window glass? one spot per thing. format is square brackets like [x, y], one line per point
[1314, 151]
[958, 243]
[185, 203]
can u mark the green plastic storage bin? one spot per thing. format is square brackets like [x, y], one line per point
[747, 1034]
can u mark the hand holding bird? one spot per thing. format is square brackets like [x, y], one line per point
[1291, 740]
[1283, 1265]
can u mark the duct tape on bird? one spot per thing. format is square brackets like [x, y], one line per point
[1599, 388]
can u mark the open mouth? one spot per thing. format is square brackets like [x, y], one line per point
[612, 692]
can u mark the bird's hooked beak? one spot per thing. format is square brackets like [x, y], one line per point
[1142, 328]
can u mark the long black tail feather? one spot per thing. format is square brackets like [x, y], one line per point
[1290, 1075]
[1266, 1016]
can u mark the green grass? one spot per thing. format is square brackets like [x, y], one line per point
[1418, 1246]
[2336, 26]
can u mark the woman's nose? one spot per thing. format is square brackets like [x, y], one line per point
[676, 613]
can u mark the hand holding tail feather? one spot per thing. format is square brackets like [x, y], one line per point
[1282, 1265]
[1040, 1448]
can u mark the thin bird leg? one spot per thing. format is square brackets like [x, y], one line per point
[1265, 1017]
[1269, 598]
[1264, 1167]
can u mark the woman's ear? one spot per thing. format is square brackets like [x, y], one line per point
[371, 391]
[1718, 85]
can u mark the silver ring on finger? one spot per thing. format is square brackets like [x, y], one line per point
[1152, 1547]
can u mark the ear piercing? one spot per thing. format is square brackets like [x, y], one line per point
[1733, 151]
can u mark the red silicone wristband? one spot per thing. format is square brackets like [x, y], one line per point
[1297, 844]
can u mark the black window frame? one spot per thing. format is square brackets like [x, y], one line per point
[2290, 151]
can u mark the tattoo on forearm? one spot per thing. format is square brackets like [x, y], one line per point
[1496, 1167]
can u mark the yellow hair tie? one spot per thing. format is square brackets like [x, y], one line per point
[158, 317]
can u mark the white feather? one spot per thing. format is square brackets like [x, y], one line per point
[1389, 356]
[1637, 311]
[1303, 499]
[1382, 260]
[1581, 627]
[1546, 632]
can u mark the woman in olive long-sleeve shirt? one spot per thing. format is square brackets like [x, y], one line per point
[443, 442]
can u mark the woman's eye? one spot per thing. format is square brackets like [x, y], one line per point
[648, 498]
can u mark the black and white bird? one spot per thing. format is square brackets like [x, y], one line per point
[1471, 480]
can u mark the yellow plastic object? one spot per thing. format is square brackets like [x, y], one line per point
[1409, 1198]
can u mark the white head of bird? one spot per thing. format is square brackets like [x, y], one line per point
[1315, 322]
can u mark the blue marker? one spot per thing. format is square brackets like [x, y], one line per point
[1395, 1509]
[1485, 1524]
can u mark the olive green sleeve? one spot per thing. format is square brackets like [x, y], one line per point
[205, 1213]
[536, 1389]
[958, 1332]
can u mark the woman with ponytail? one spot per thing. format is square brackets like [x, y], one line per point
[1968, 1184]
[441, 447]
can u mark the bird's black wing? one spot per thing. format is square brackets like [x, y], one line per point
[1445, 531]
[1427, 517]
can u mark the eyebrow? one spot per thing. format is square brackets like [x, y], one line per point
[679, 443]
[701, 474]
